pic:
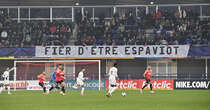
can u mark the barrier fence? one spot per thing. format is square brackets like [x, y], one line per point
[31, 13]
[158, 84]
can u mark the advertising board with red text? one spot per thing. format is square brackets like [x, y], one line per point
[161, 84]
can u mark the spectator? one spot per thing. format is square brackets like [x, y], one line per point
[163, 42]
[4, 34]
[123, 29]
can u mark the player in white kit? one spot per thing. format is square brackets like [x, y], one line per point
[80, 81]
[112, 80]
[6, 80]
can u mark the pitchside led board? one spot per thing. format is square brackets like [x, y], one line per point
[159, 84]
[90, 84]
[191, 84]
[113, 51]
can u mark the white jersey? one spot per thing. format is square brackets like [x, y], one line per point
[6, 77]
[113, 75]
[80, 78]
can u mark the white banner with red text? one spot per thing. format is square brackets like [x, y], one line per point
[34, 85]
[159, 84]
[20, 84]
[26, 84]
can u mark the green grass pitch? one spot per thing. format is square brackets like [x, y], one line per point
[96, 100]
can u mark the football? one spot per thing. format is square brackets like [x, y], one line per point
[123, 94]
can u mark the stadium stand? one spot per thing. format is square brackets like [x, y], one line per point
[162, 27]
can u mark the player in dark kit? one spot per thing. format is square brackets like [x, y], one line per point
[147, 75]
[41, 78]
[53, 81]
[60, 78]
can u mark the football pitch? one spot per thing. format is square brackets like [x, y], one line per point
[96, 100]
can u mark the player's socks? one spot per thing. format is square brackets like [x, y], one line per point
[109, 94]
[63, 89]
[8, 89]
[151, 87]
[110, 89]
[113, 89]
[44, 89]
[144, 86]
[141, 91]
[57, 87]
[1, 88]
[82, 91]
[51, 88]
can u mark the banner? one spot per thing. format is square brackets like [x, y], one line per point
[89, 84]
[160, 84]
[34, 85]
[165, 84]
[20, 84]
[113, 51]
[191, 84]
[107, 51]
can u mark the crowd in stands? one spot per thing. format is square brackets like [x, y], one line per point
[154, 28]
[33, 33]
[158, 28]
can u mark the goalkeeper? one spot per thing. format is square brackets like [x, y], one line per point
[53, 80]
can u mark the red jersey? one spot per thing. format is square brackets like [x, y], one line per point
[148, 74]
[59, 74]
[41, 78]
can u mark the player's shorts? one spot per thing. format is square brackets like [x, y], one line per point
[148, 81]
[59, 82]
[80, 82]
[53, 82]
[112, 82]
[41, 84]
[6, 82]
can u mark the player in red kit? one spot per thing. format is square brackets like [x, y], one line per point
[41, 78]
[147, 75]
[60, 78]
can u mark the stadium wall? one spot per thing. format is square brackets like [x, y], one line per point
[128, 69]
[190, 65]
[135, 67]
[208, 66]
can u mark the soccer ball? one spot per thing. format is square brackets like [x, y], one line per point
[123, 94]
